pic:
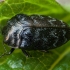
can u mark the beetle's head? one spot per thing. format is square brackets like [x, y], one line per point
[12, 34]
[12, 31]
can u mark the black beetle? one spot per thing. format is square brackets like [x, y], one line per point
[35, 32]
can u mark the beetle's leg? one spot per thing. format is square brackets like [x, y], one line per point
[8, 53]
[26, 53]
[11, 51]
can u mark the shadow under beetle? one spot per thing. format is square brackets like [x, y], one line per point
[35, 32]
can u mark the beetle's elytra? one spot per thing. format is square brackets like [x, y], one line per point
[35, 32]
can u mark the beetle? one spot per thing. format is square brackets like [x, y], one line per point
[35, 32]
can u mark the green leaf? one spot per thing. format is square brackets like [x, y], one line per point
[56, 59]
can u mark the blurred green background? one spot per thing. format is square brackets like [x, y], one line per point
[57, 59]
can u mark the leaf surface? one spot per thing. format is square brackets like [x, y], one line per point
[56, 59]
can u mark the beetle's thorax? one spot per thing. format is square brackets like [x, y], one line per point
[13, 35]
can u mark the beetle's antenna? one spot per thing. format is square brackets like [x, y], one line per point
[5, 53]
